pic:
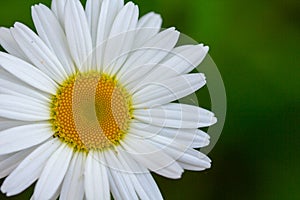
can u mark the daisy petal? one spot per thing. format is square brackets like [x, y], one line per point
[121, 38]
[7, 123]
[194, 160]
[116, 193]
[57, 193]
[92, 10]
[181, 60]
[22, 137]
[158, 93]
[21, 108]
[152, 157]
[5, 75]
[4, 157]
[140, 177]
[38, 52]
[187, 157]
[163, 143]
[27, 73]
[11, 88]
[109, 11]
[146, 180]
[131, 78]
[176, 116]
[53, 35]
[8, 42]
[152, 52]
[188, 137]
[96, 178]
[202, 139]
[148, 26]
[185, 58]
[11, 161]
[58, 8]
[73, 186]
[29, 169]
[53, 173]
[119, 180]
[78, 35]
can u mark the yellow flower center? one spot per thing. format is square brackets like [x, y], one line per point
[91, 111]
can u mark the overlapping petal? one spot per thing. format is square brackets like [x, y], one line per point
[23, 137]
[53, 173]
[30, 169]
[52, 33]
[78, 35]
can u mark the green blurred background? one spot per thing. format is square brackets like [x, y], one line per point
[255, 45]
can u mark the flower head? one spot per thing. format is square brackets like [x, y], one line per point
[87, 104]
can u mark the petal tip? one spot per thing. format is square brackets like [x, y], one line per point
[214, 120]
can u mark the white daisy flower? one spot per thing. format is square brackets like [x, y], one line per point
[87, 104]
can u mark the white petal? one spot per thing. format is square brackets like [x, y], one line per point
[109, 11]
[57, 193]
[21, 108]
[120, 38]
[38, 52]
[29, 169]
[151, 53]
[194, 138]
[22, 137]
[78, 35]
[141, 179]
[176, 116]
[11, 88]
[131, 78]
[119, 180]
[152, 157]
[58, 7]
[27, 73]
[161, 92]
[8, 164]
[96, 178]
[53, 35]
[146, 181]
[194, 160]
[116, 193]
[201, 139]
[5, 75]
[185, 58]
[163, 143]
[180, 61]
[187, 137]
[73, 186]
[4, 157]
[148, 26]
[8, 42]
[118, 154]
[13, 85]
[92, 10]
[187, 157]
[150, 20]
[7, 123]
[53, 173]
